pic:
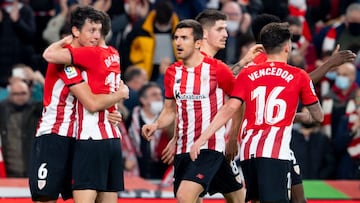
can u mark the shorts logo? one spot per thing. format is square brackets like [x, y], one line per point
[70, 71]
[200, 176]
[297, 169]
[41, 184]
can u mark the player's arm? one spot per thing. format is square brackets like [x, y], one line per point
[335, 60]
[97, 102]
[222, 116]
[166, 117]
[250, 55]
[57, 53]
[231, 149]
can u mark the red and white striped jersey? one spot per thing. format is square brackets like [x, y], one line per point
[199, 93]
[271, 92]
[58, 114]
[101, 69]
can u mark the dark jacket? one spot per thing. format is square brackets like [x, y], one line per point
[30, 116]
[315, 156]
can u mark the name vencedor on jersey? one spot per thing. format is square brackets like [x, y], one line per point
[274, 71]
[112, 59]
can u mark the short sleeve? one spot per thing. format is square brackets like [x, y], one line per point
[85, 57]
[308, 94]
[70, 75]
[224, 77]
[239, 90]
[169, 82]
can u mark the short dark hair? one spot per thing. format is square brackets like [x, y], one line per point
[164, 11]
[260, 21]
[196, 27]
[273, 36]
[81, 14]
[106, 23]
[132, 73]
[293, 20]
[144, 88]
[208, 17]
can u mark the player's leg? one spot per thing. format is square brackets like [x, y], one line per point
[297, 194]
[50, 168]
[188, 192]
[106, 197]
[193, 178]
[84, 196]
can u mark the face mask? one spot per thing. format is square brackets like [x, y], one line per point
[232, 25]
[342, 82]
[156, 107]
[295, 38]
[331, 75]
[354, 29]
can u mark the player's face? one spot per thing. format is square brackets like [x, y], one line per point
[90, 34]
[184, 42]
[216, 35]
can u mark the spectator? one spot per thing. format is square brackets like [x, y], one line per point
[151, 40]
[313, 152]
[188, 9]
[34, 79]
[16, 35]
[346, 142]
[148, 153]
[134, 78]
[52, 32]
[336, 103]
[18, 121]
[237, 24]
[344, 33]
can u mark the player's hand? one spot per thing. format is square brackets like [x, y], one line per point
[167, 155]
[66, 40]
[231, 149]
[195, 149]
[340, 57]
[148, 131]
[251, 54]
[123, 90]
[114, 117]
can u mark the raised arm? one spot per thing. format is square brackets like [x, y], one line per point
[56, 53]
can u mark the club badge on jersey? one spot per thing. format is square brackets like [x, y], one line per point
[70, 71]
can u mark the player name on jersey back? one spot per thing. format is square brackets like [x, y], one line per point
[284, 74]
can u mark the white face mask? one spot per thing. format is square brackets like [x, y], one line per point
[232, 25]
[163, 28]
[156, 107]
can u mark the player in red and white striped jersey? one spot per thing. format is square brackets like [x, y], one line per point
[51, 164]
[195, 89]
[97, 138]
[271, 95]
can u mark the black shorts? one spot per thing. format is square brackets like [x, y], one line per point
[50, 167]
[98, 165]
[210, 170]
[266, 179]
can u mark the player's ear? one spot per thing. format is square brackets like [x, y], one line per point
[75, 31]
[205, 33]
[198, 43]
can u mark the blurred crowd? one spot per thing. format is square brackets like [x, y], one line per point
[142, 33]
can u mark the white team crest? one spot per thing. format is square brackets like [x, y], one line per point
[41, 184]
[297, 169]
[70, 71]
